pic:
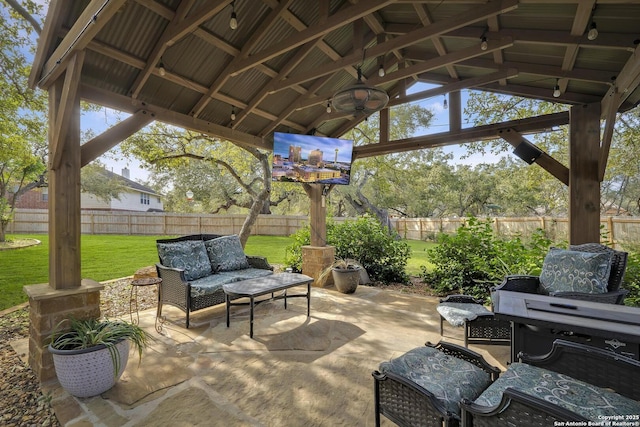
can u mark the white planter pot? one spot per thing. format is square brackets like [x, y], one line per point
[89, 372]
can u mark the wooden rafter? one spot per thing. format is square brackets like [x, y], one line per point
[256, 36]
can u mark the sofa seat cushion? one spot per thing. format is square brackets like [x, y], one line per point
[189, 255]
[591, 402]
[213, 283]
[448, 378]
[226, 253]
[248, 273]
[575, 271]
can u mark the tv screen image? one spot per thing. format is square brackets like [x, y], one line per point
[311, 159]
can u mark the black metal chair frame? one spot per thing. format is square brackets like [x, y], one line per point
[592, 365]
[484, 329]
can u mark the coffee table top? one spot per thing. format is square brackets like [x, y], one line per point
[266, 285]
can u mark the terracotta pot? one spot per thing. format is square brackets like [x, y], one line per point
[346, 279]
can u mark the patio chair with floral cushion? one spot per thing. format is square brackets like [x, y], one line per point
[591, 272]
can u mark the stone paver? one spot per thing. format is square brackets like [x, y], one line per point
[297, 371]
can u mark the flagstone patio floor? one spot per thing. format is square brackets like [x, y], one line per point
[296, 371]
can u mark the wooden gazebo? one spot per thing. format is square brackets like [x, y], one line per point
[180, 62]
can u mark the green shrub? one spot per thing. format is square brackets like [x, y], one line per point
[631, 280]
[474, 259]
[382, 254]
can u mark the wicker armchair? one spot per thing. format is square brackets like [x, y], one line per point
[614, 294]
[408, 404]
[597, 367]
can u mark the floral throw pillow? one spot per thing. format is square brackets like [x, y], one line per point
[190, 256]
[226, 253]
[575, 271]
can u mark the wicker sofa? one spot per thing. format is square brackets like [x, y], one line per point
[193, 269]
[574, 382]
[613, 294]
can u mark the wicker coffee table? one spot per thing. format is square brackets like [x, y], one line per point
[253, 288]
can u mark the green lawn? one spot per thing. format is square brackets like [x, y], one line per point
[106, 257]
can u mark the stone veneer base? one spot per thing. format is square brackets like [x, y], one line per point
[315, 259]
[47, 308]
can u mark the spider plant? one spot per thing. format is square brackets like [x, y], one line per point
[90, 333]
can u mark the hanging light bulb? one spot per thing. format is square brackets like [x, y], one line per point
[556, 89]
[381, 70]
[445, 105]
[161, 68]
[233, 113]
[483, 44]
[233, 22]
[328, 107]
[593, 31]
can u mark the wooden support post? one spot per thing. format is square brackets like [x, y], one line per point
[317, 256]
[455, 111]
[64, 188]
[584, 182]
[318, 212]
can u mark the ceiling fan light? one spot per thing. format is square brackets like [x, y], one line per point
[360, 98]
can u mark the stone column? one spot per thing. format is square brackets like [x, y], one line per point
[315, 259]
[47, 307]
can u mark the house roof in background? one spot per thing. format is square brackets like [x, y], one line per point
[129, 183]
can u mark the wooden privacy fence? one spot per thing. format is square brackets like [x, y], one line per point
[618, 229]
[35, 221]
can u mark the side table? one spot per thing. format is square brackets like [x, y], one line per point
[135, 284]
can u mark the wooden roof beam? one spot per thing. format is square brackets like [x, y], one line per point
[408, 39]
[545, 161]
[124, 103]
[97, 146]
[479, 133]
[67, 105]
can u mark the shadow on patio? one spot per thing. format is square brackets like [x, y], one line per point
[297, 371]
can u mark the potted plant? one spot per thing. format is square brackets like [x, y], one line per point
[346, 273]
[91, 355]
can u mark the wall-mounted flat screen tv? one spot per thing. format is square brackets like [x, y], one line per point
[311, 159]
